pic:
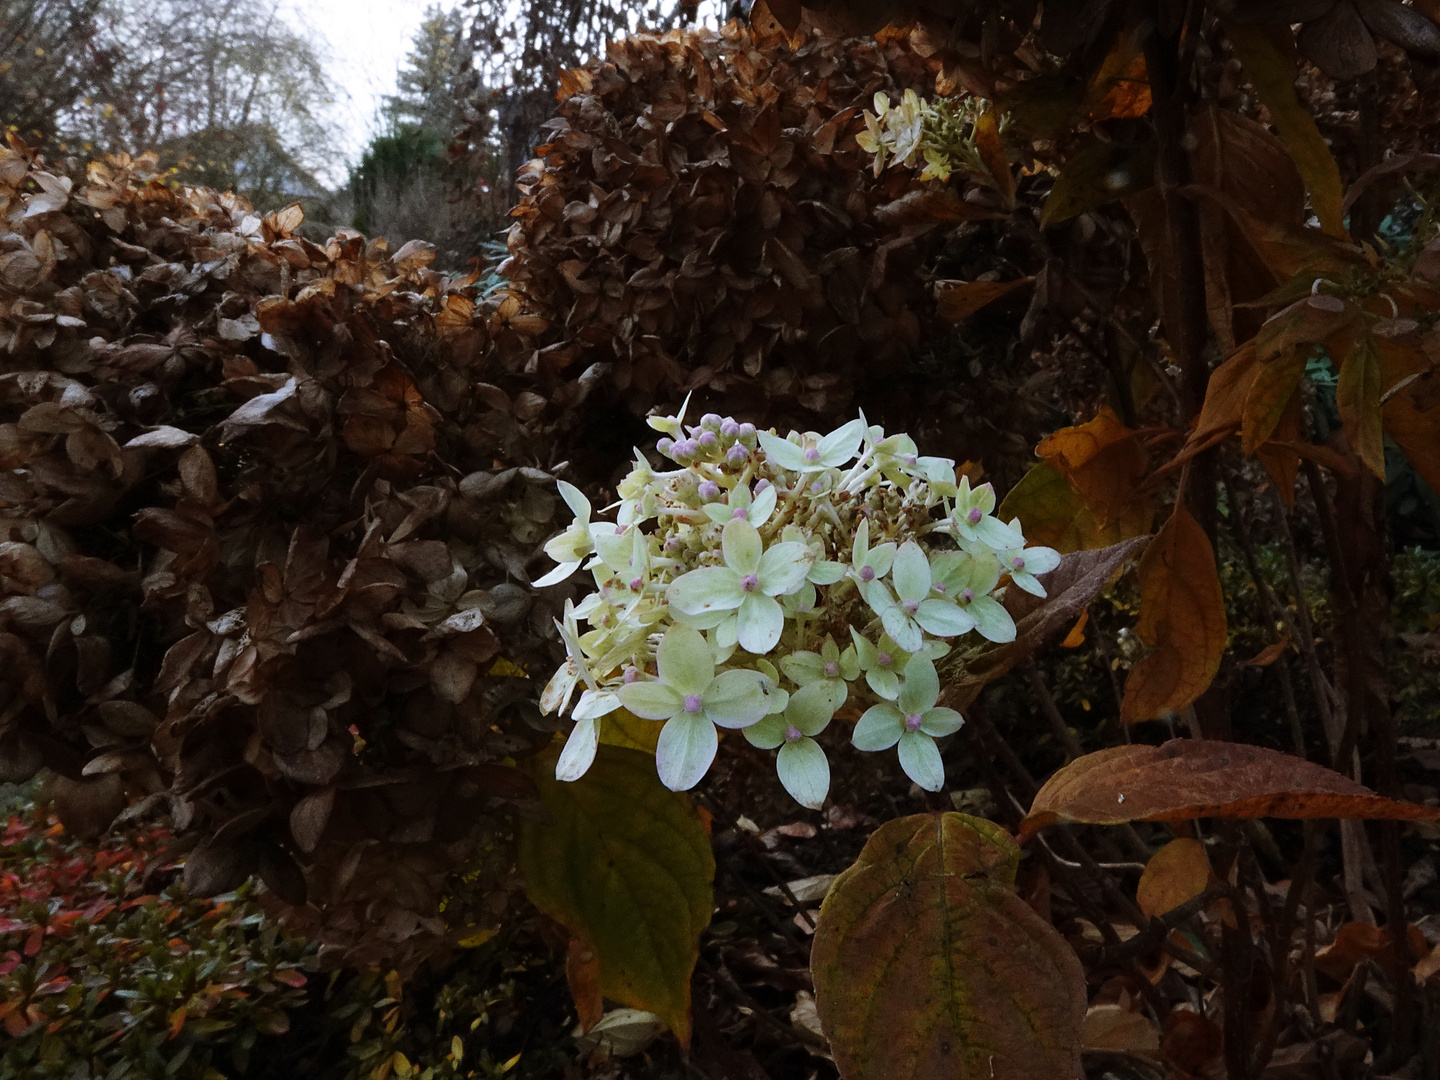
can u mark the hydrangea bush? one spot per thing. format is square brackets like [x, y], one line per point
[771, 584]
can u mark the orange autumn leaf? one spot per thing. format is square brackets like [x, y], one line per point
[1223, 410]
[1357, 395]
[1275, 385]
[1411, 405]
[582, 972]
[1185, 779]
[1076, 637]
[992, 153]
[1103, 460]
[1175, 874]
[1268, 655]
[1182, 618]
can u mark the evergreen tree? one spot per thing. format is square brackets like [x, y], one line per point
[413, 181]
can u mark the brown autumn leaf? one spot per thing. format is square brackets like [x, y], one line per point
[1052, 512]
[1178, 872]
[1109, 1026]
[1280, 456]
[1182, 618]
[1185, 779]
[1071, 587]
[1428, 966]
[1357, 395]
[960, 300]
[1357, 941]
[1288, 249]
[1191, 1042]
[1269, 57]
[1238, 156]
[1223, 410]
[928, 965]
[310, 816]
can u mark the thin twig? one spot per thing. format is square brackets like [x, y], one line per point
[1327, 701]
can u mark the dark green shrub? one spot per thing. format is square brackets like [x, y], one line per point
[110, 971]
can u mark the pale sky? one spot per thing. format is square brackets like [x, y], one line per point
[367, 41]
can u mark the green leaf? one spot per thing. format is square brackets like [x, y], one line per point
[927, 965]
[1096, 174]
[627, 867]
[1272, 72]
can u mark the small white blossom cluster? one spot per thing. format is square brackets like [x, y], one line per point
[765, 582]
[941, 133]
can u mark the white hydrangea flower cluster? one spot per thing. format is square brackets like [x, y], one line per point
[940, 132]
[766, 582]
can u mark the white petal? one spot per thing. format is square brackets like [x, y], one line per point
[759, 623]
[993, 534]
[842, 444]
[884, 682]
[920, 758]
[684, 751]
[576, 500]
[742, 547]
[879, 729]
[767, 734]
[650, 700]
[861, 544]
[805, 772]
[762, 507]
[811, 708]
[1041, 560]
[781, 452]
[685, 660]
[911, 573]
[554, 577]
[803, 667]
[941, 722]
[735, 699]
[877, 594]
[579, 751]
[783, 568]
[864, 648]
[711, 588]
[992, 620]
[922, 686]
[943, 619]
[880, 559]
[595, 704]
[1025, 580]
[902, 628]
